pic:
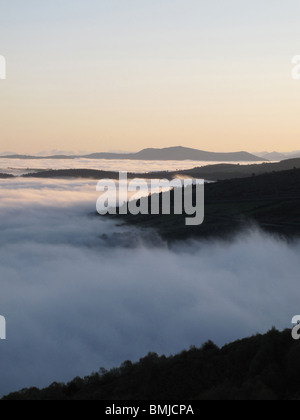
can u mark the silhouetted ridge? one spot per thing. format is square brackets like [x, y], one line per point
[180, 153]
[170, 153]
[263, 367]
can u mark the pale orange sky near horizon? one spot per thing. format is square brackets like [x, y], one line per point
[92, 76]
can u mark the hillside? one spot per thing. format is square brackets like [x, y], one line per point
[270, 201]
[263, 367]
[226, 171]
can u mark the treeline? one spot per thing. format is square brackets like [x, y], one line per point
[5, 176]
[263, 367]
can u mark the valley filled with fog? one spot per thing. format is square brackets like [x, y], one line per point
[80, 291]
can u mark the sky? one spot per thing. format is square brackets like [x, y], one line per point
[95, 75]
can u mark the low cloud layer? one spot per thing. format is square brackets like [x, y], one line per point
[18, 167]
[79, 292]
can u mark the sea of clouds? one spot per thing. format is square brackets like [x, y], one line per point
[79, 291]
[20, 166]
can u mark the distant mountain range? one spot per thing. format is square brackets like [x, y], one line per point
[170, 153]
[180, 153]
[276, 156]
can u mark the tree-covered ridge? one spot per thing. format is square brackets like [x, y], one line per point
[270, 201]
[263, 367]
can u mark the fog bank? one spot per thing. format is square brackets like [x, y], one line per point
[79, 292]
